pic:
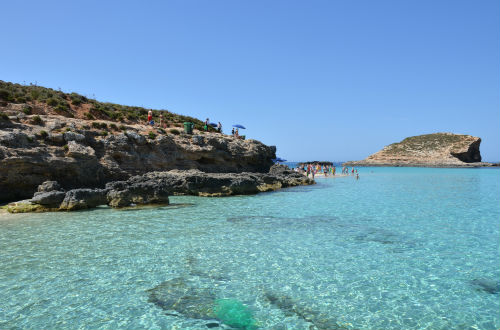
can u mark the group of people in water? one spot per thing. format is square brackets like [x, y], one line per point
[313, 169]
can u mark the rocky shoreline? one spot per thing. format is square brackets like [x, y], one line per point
[156, 187]
[73, 153]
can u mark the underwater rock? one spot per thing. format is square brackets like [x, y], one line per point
[183, 297]
[290, 307]
[486, 285]
[212, 325]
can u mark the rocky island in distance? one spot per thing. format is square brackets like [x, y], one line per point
[428, 150]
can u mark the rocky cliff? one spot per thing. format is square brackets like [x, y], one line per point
[430, 150]
[88, 153]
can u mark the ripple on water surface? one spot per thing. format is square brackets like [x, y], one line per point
[398, 249]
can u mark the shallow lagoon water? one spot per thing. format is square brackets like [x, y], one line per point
[402, 248]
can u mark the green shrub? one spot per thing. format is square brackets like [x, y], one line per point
[36, 120]
[68, 129]
[35, 94]
[175, 131]
[3, 116]
[75, 99]
[96, 124]
[151, 135]
[43, 134]
[29, 138]
[104, 133]
[86, 127]
[27, 110]
[65, 147]
[52, 102]
[89, 116]
[132, 116]
[113, 127]
[123, 128]
[5, 95]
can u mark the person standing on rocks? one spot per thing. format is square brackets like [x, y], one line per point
[150, 118]
[207, 122]
[219, 127]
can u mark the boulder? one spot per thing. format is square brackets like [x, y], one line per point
[72, 136]
[78, 199]
[51, 199]
[49, 186]
[25, 206]
[147, 192]
[77, 150]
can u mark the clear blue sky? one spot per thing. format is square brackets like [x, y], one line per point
[332, 80]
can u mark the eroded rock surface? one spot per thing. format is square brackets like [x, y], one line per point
[430, 150]
[62, 149]
[156, 187]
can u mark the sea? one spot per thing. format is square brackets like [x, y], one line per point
[400, 248]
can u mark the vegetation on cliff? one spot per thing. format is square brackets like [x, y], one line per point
[42, 100]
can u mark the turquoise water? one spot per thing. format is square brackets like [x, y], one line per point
[402, 248]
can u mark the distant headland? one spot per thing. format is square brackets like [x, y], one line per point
[429, 150]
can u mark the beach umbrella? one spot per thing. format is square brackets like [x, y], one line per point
[239, 126]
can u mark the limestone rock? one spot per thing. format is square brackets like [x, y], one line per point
[51, 199]
[49, 186]
[78, 199]
[91, 160]
[147, 192]
[25, 206]
[430, 150]
[77, 150]
[72, 136]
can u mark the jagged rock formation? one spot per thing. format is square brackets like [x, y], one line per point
[69, 151]
[431, 150]
[155, 187]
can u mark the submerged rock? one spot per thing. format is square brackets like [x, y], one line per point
[486, 285]
[182, 296]
[290, 307]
